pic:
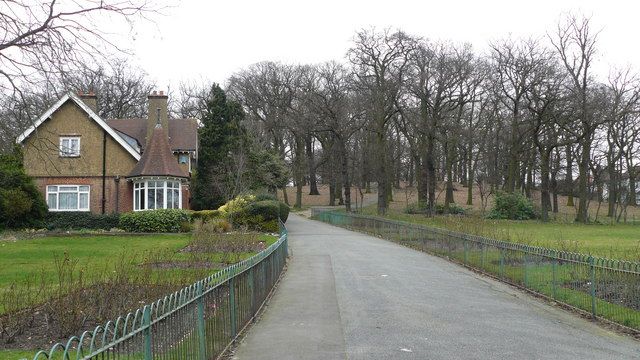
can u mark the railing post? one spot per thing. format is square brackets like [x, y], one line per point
[482, 256]
[502, 263]
[592, 273]
[251, 290]
[525, 268]
[466, 251]
[232, 305]
[554, 275]
[201, 329]
[146, 333]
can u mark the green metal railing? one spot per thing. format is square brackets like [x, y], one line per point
[198, 322]
[604, 288]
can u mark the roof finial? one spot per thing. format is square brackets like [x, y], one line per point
[158, 124]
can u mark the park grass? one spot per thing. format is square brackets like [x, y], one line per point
[618, 241]
[28, 259]
[20, 259]
[16, 354]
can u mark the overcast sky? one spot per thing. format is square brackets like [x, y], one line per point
[213, 39]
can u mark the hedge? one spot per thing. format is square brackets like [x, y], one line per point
[76, 220]
[163, 220]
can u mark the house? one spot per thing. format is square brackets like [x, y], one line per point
[82, 162]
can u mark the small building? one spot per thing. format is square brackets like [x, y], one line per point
[82, 162]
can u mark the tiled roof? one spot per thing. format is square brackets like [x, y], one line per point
[157, 159]
[183, 133]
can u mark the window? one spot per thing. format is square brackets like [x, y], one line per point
[183, 158]
[156, 194]
[70, 146]
[68, 197]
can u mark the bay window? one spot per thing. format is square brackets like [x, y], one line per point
[68, 197]
[156, 194]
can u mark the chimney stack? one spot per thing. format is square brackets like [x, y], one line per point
[90, 99]
[157, 112]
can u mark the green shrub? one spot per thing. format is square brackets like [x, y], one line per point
[206, 215]
[213, 225]
[284, 211]
[454, 209]
[236, 204]
[163, 220]
[440, 209]
[21, 203]
[261, 215]
[76, 220]
[512, 206]
[268, 209]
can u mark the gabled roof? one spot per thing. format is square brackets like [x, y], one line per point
[157, 159]
[92, 115]
[183, 133]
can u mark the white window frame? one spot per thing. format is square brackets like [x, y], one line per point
[77, 191]
[141, 188]
[64, 153]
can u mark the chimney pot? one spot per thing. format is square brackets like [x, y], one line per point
[161, 92]
[154, 93]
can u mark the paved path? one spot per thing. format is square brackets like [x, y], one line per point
[351, 296]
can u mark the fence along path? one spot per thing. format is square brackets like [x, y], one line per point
[350, 295]
[604, 288]
[198, 322]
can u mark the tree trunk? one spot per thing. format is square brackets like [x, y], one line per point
[554, 181]
[569, 176]
[345, 174]
[313, 182]
[545, 200]
[611, 201]
[582, 215]
[382, 173]
[449, 168]
[430, 170]
[298, 170]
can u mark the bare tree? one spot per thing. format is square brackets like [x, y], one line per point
[576, 46]
[380, 61]
[42, 40]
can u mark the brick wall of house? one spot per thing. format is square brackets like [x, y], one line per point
[118, 193]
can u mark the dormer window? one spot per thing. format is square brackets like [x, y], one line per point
[70, 146]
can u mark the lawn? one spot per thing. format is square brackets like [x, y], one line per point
[21, 258]
[170, 259]
[619, 241]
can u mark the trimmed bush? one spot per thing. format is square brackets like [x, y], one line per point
[512, 206]
[163, 220]
[268, 209]
[284, 211]
[76, 220]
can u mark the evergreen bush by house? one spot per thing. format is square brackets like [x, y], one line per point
[21, 204]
